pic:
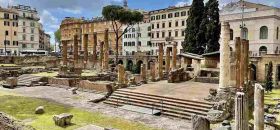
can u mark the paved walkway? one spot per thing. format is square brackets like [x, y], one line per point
[186, 90]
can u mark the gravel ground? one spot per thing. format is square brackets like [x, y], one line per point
[64, 96]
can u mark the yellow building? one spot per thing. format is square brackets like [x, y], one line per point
[71, 26]
[8, 32]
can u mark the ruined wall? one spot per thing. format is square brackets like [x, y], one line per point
[96, 86]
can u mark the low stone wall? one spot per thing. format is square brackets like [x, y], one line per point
[96, 86]
[8, 123]
[214, 80]
[178, 75]
[71, 82]
[30, 60]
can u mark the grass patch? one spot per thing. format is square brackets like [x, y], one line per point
[46, 74]
[268, 99]
[23, 108]
[89, 73]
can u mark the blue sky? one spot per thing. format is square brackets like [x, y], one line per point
[53, 11]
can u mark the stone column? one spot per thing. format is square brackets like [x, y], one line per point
[241, 112]
[94, 58]
[153, 72]
[106, 50]
[242, 64]
[237, 61]
[85, 43]
[259, 107]
[167, 60]
[143, 72]
[200, 123]
[246, 64]
[174, 56]
[160, 61]
[76, 50]
[64, 52]
[101, 55]
[121, 74]
[225, 57]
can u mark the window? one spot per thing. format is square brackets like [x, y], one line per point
[6, 23]
[263, 32]
[133, 30]
[133, 43]
[231, 34]
[277, 33]
[176, 33]
[170, 15]
[23, 14]
[170, 24]
[23, 37]
[263, 50]
[183, 32]
[152, 35]
[32, 30]
[15, 33]
[6, 16]
[163, 34]
[177, 14]
[23, 45]
[153, 26]
[23, 30]
[183, 13]
[23, 23]
[176, 23]
[158, 17]
[158, 25]
[245, 33]
[183, 22]
[32, 24]
[153, 18]
[7, 33]
[157, 34]
[125, 43]
[32, 38]
[139, 43]
[163, 25]
[149, 28]
[169, 34]
[163, 16]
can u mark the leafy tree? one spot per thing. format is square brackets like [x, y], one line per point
[213, 26]
[120, 16]
[269, 82]
[194, 20]
[57, 35]
[201, 35]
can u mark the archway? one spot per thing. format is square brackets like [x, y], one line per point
[254, 72]
[129, 65]
[149, 64]
[137, 68]
[263, 50]
[120, 62]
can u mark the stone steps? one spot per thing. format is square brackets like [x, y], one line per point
[26, 79]
[168, 106]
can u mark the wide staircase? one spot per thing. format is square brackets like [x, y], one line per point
[26, 79]
[172, 107]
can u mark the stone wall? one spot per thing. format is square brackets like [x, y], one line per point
[70, 82]
[28, 60]
[8, 123]
[96, 86]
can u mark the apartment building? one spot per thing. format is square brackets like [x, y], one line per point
[8, 32]
[28, 28]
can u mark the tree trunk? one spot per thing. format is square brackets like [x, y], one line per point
[117, 48]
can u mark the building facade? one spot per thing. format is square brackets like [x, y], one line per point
[8, 32]
[28, 28]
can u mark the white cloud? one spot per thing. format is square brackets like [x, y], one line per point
[181, 3]
[48, 18]
[72, 11]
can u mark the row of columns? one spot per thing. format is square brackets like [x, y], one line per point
[104, 50]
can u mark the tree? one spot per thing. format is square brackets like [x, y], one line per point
[201, 35]
[194, 20]
[119, 17]
[213, 26]
[57, 35]
[268, 81]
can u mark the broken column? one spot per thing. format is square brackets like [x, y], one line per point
[200, 123]
[64, 52]
[121, 74]
[237, 62]
[153, 72]
[160, 61]
[94, 57]
[246, 61]
[143, 73]
[259, 107]
[225, 57]
[106, 50]
[85, 46]
[174, 56]
[76, 50]
[241, 112]
[101, 55]
[167, 60]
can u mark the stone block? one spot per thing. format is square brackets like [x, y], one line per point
[63, 119]
[11, 82]
[39, 110]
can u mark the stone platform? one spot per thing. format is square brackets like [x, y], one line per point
[186, 90]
